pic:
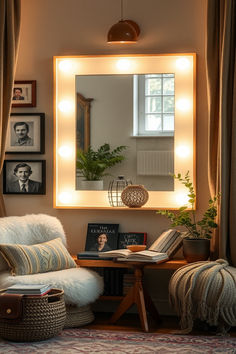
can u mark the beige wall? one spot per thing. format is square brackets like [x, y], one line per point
[70, 27]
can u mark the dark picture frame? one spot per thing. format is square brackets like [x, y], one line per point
[24, 93]
[26, 133]
[12, 169]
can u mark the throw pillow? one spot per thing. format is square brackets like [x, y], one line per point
[38, 258]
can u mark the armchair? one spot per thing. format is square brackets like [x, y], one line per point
[81, 286]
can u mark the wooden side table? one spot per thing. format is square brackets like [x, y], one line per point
[137, 294]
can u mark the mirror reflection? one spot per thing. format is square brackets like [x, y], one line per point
[136, 111]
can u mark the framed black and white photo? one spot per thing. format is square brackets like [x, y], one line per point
[25, 133]
[24, 94]
[24, 177]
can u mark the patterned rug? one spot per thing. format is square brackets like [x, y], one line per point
[98, 341]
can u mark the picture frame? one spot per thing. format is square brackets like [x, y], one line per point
[26, 133]
[31, 173]
[83, 122]
[24, 93]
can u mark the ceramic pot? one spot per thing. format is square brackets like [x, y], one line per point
[90, 185]
[196, 249]
[134, 196]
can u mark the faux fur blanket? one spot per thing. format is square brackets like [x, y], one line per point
[205, 291]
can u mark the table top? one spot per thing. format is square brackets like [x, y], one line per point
[172, 264]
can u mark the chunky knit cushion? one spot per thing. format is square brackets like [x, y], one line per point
[38, 258]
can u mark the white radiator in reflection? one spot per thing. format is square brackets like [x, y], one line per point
[155, 163]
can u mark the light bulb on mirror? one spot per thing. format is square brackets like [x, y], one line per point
[123, 64]
[183, 104]
[182, 151]
[65, 151]
[182, 64]
[65, 106]
[65, 65]
[65, 197]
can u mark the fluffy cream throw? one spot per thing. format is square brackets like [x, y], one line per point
[205, 291]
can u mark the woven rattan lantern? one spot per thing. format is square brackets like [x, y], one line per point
[115, 189]
[134, 196]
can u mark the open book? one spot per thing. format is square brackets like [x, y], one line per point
[163, 248]
[141, 256]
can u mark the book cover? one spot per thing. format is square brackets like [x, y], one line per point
[101, 237]
[131, 238]
[127, 255]
[90, 255]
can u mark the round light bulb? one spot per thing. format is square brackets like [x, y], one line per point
[183, 104]
[123, 64]
[65, 151]
[65, 197]
[65, 65]
[182, 63]
[183, 151]
[65, 106]
[182, 199]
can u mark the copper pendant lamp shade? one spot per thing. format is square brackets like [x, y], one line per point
[124, 31]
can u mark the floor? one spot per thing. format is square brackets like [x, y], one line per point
[130, 322]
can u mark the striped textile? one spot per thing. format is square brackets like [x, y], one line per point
[38, 258]
[169, 242]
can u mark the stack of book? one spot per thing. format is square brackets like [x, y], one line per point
[29, 289]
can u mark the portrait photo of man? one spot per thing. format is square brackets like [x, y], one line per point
[17, 94]
[21, 132]
[26, 177]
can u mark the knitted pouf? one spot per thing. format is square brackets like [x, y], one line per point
[204, 291]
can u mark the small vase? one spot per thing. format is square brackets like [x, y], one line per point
[134, 196]
[196, 249]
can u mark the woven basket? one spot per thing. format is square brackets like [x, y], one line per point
[78, 316]
[43, 317]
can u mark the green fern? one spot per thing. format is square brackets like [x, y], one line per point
[92, 164]
[187, 218]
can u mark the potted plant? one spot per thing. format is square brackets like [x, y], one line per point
[196, 243]
[91, 164]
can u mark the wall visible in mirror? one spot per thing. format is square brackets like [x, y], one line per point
[65, 194]
[112, 121]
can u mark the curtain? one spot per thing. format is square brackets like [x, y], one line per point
[221, 86]
[9, 39]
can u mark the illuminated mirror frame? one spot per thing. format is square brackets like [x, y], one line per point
[65, 71]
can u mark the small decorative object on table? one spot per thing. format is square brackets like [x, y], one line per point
[134, 196]
[196, 244]
[116, 186]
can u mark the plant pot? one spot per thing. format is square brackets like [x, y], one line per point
[196, 249]
[90, 185]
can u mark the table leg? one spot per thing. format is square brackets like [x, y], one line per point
[151, 308]
[125, 304]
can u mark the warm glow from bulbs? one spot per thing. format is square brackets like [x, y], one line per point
[65, 197]
[182, 199]
[65, 66]
[65, 151]
[123, 64]
[183, 104]
[182, 151]
[182, 63]
[65, 106]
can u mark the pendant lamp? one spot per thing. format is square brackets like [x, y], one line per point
[124, 31]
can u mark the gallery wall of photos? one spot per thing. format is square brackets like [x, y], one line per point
[25, 135]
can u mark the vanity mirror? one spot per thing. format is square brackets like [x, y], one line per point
[112, 87]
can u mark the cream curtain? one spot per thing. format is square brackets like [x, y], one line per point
[221, 81]
[9, 38]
